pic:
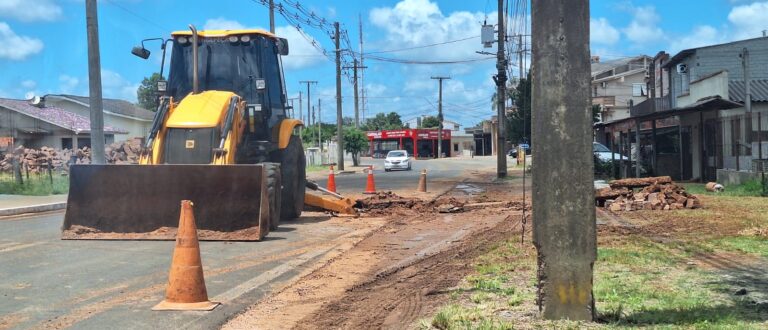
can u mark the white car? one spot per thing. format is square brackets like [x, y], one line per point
[397, 159]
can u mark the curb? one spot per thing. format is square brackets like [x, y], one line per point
[33, 209]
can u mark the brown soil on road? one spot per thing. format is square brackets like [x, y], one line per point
[399, 273]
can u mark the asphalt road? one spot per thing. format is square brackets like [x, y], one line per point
[437, 170]
[49, 283]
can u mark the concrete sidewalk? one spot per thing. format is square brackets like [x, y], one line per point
[18, 204]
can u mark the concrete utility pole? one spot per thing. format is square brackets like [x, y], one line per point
[339, 136]
[319, 125]
[301, 114]
[272, 16]
[747, 80]
[355, 67]
[309, 97]
[362, 57]
[94, 82]
[440, 115]
[564, 231]
[501, 98]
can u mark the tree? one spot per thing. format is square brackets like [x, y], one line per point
[383, 121]
[596, 109]
[147, 92]
[430, 122]
[355, 141]
[521, 95]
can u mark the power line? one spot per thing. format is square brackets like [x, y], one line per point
[420, 47]
[420, 62]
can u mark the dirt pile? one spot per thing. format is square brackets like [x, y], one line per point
[40, 160]
[657, 193]
[389, 203]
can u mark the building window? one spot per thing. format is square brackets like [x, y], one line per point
[639, 89]
[456, 147]
[66, 143]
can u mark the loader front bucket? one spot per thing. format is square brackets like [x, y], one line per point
[141, 202]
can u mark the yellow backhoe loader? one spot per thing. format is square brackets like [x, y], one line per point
[220, 138]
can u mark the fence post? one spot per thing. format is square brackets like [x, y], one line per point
[50, 172]
[26, 169]
[17, 171]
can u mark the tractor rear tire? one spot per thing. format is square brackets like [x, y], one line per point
[274, 193]
[294, 172]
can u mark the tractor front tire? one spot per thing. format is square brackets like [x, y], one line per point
[274, 193]
[294, 172]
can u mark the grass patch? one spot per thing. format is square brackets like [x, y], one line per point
[753, 188]
[662, 293]
[316, 168]
[746, 244]
[36, 186]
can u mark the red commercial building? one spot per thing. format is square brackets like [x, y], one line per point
[422, 143]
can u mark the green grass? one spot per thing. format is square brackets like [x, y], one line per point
[36, 186]
[752, 188]
[634, 287]
[746, 244]
[316, 168]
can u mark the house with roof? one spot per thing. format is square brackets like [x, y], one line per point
[36, 125]
[118, 113]
[708, 123]
[617, 84]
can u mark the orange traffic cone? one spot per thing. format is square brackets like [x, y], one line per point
[186, 285]
[370, 187]
[423, 181]
[331, 180]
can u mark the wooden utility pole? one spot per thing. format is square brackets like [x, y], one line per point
[440, 115]
[362, 64]
[339, 135]
[272, 16]
[94, 83]
[355, 67]
[301, 114]
[564, 230]
[501, 86]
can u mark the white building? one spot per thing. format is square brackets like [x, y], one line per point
[135, 120]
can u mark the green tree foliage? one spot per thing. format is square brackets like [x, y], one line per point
[595, 113]
[355, 141]
[309, 134]
[521, 95]
[147, 92]
[383, 121]
[430, 122]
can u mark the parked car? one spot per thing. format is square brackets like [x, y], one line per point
[513, 152]
[397, 159]
[604, 154]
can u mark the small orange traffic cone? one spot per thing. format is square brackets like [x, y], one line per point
[423, 181]
[370, 187]
[331, 180]
[186, 285]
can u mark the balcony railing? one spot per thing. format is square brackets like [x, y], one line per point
[606, 101]
[650, 106]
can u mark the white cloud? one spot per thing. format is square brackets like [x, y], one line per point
[29, 84]
[749, 20]
[702, 35]
[418, 22]
[643, 28]
[221, 23]
[602, 32]
[375, 90]
[68, 84]
[301, 52]
[16, 47]
[29, 11]
[116, 86]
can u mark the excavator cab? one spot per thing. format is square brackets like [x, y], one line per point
[220, 138]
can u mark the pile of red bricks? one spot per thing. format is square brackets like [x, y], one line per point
[656, 193]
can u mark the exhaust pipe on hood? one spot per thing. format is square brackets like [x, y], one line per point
[195, 80]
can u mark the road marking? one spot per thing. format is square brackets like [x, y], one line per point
[267, 276]
[19, 247]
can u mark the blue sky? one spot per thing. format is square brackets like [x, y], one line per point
[43, 44]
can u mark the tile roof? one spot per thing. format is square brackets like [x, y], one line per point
[120, 107]
[55, 116]
[759, 89]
